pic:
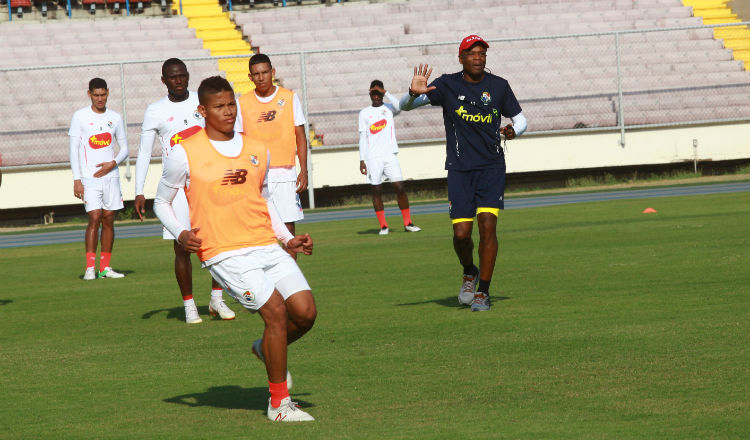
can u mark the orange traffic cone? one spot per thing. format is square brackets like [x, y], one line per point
[649, 211]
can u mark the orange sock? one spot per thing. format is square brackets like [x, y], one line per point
[406, 214]
[104, 260]
[381, 218]
[279, 392]
[90, 259]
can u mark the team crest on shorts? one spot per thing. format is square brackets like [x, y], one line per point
[254, 160]
[249, 296]
[486, 98]
[281, 103]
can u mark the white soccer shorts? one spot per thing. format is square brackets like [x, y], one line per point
[284, 196]
[251, 277]
[181, 211]
[387, 166]
[102, 194]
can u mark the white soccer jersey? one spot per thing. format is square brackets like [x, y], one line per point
[377, 134]
[92, 142]
[172, 122]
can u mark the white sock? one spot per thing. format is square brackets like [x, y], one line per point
[188, 302]
[216, 293]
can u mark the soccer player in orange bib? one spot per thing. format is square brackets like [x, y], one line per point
[234, 230]
[173, 119]
[274, 115]
[96, 179]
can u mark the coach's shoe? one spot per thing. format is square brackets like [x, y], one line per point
[411, 227]
[258, 352]
[90, 274]
[218, 307]
[468, 288]
[288, 411]
[481, 302]
[191, 315]
[108, 272]
[383, 230]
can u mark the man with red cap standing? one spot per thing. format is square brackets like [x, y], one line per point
[473, 101]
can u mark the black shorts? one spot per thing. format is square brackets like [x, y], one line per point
[469, 191]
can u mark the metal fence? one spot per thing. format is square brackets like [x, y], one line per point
[583, 82]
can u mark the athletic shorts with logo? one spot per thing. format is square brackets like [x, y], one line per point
[387, 166]
[250, 275]
[102, 193]
[471, 190]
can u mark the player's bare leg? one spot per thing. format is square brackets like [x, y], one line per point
[464, 247]
[403, 205]
[108, 230]
[377, 205]
[92, 230]
[487, 223]
[183, 272]
[302, 313]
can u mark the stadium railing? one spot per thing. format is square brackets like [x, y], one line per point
[627, 80]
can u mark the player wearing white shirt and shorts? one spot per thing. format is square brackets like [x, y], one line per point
[274, 115]
[378, 152]
[173, 119]
[234, 230]
[96, 179]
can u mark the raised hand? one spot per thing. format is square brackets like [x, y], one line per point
[420, 80]
[104, 168]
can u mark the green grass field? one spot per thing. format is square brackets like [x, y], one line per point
[607, 324]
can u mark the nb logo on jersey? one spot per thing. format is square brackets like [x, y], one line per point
[100, 140]
[461, 112]
[267, 116]
[184, 134]
[234, 177]
[377, 127]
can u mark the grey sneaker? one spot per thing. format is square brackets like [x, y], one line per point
[468, 288]
[481, 302]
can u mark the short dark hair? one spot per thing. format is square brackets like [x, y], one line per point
[377, 82]
[259, 58]
[97, 83]
[171, 62]
[213, 85]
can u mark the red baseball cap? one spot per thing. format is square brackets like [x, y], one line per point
[470, 41]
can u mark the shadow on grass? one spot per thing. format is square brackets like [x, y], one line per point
[5, 302]
[177, 313]
[369, 232]
[233, 397]
[451, 301]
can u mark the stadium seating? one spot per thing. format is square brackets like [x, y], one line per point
[562, 83]
[36, 118]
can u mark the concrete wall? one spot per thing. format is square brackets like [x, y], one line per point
[22, 189]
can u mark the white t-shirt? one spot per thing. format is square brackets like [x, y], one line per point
[92, 142]
[377, 134]
[172, 122]
[275, 174]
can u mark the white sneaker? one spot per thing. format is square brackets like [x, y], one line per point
[411, 227]
[468, 289]
[288, 411]
[383, 230]
[191, 315]
[258, 352]
[481, 302]
[90, 274]
[108, 272]
[218, 307]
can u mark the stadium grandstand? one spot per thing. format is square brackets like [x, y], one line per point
[584, 66]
